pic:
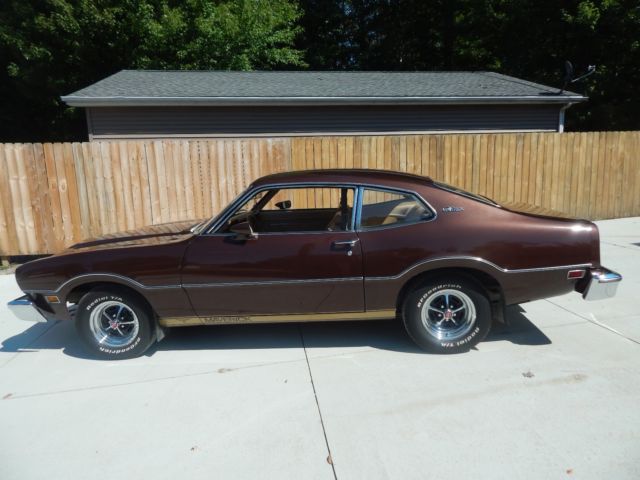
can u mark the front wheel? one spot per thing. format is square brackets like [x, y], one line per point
[447, 315]
[114, 323]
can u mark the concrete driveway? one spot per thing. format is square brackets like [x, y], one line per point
[556, 395]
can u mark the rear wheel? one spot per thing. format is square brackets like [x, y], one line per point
[447, 315]
[114, 323]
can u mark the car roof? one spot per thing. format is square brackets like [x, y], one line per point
[345, 175]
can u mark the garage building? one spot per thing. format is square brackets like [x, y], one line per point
[191, 104]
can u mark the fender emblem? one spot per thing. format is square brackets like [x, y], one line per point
[452, 209]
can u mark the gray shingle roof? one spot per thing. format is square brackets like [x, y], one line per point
[145, 87]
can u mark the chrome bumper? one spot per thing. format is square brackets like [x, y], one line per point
[24, 309]
[603, 283]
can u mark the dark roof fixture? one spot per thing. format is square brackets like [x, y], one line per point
[227, 88]
[569, 72]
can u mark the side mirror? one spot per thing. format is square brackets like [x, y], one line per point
[284, 205]
[243, 231]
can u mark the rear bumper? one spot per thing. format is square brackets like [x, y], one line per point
[24, 309]
[602, 284]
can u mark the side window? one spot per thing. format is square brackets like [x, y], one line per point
[382, 208]
[309, 198]
[302, 209]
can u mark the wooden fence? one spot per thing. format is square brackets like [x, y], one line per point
[52, 195]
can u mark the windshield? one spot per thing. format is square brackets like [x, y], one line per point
[252, 203]
[200, 228]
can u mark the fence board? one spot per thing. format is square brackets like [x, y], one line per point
[41, 202]
[81, 189]
[111, 198]
[93, 220]
[8, 206]
[115, 168]
[634, 146]
[14, 190]
[127, 175]
[24, 158]
[99, 196]
[53, 195]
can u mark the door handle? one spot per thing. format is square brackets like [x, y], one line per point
[345, 243]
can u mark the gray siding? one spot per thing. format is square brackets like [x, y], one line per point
[202, 121]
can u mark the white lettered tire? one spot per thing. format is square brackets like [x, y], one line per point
[447, 315]
[114, 323]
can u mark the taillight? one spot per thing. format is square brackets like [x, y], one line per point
[576, 274]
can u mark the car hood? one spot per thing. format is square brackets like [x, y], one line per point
[150, 235]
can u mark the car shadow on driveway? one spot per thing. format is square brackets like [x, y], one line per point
[518, 329]
[384, 335]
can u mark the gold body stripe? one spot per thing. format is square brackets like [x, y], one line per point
[279, 318]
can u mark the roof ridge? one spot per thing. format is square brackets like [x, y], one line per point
[404, 72]
[529, 83]
[517, 80]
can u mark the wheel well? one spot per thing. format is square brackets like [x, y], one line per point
[80, 291]
[489, 284]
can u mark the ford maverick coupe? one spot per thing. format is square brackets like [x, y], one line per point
[325, 245]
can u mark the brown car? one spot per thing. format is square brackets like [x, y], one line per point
[319, 246]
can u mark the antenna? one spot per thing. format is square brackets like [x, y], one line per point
[569, 72]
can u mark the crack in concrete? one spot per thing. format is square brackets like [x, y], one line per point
[627, 247]
[315, 395]
[217, 371]
[595, 322]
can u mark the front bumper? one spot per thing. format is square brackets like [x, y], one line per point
[24, 309]
[602, 284]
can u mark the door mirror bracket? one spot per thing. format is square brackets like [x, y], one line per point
[243, 231]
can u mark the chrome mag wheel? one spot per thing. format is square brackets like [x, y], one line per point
[448, 314]
[114, 324]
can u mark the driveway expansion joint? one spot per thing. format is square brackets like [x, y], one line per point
[594, 321]
[315, 395]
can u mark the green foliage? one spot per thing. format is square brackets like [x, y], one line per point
[50, 48]
[239, 35]
[530, 39]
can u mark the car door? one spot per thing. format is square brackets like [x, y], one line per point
[298, 269]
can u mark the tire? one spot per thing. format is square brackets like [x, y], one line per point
[120, 318]
[434, 326]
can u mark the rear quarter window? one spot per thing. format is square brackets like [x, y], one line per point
[383, 208]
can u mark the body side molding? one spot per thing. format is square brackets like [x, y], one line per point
[278, 318]
[122, 279]
[474, 259]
